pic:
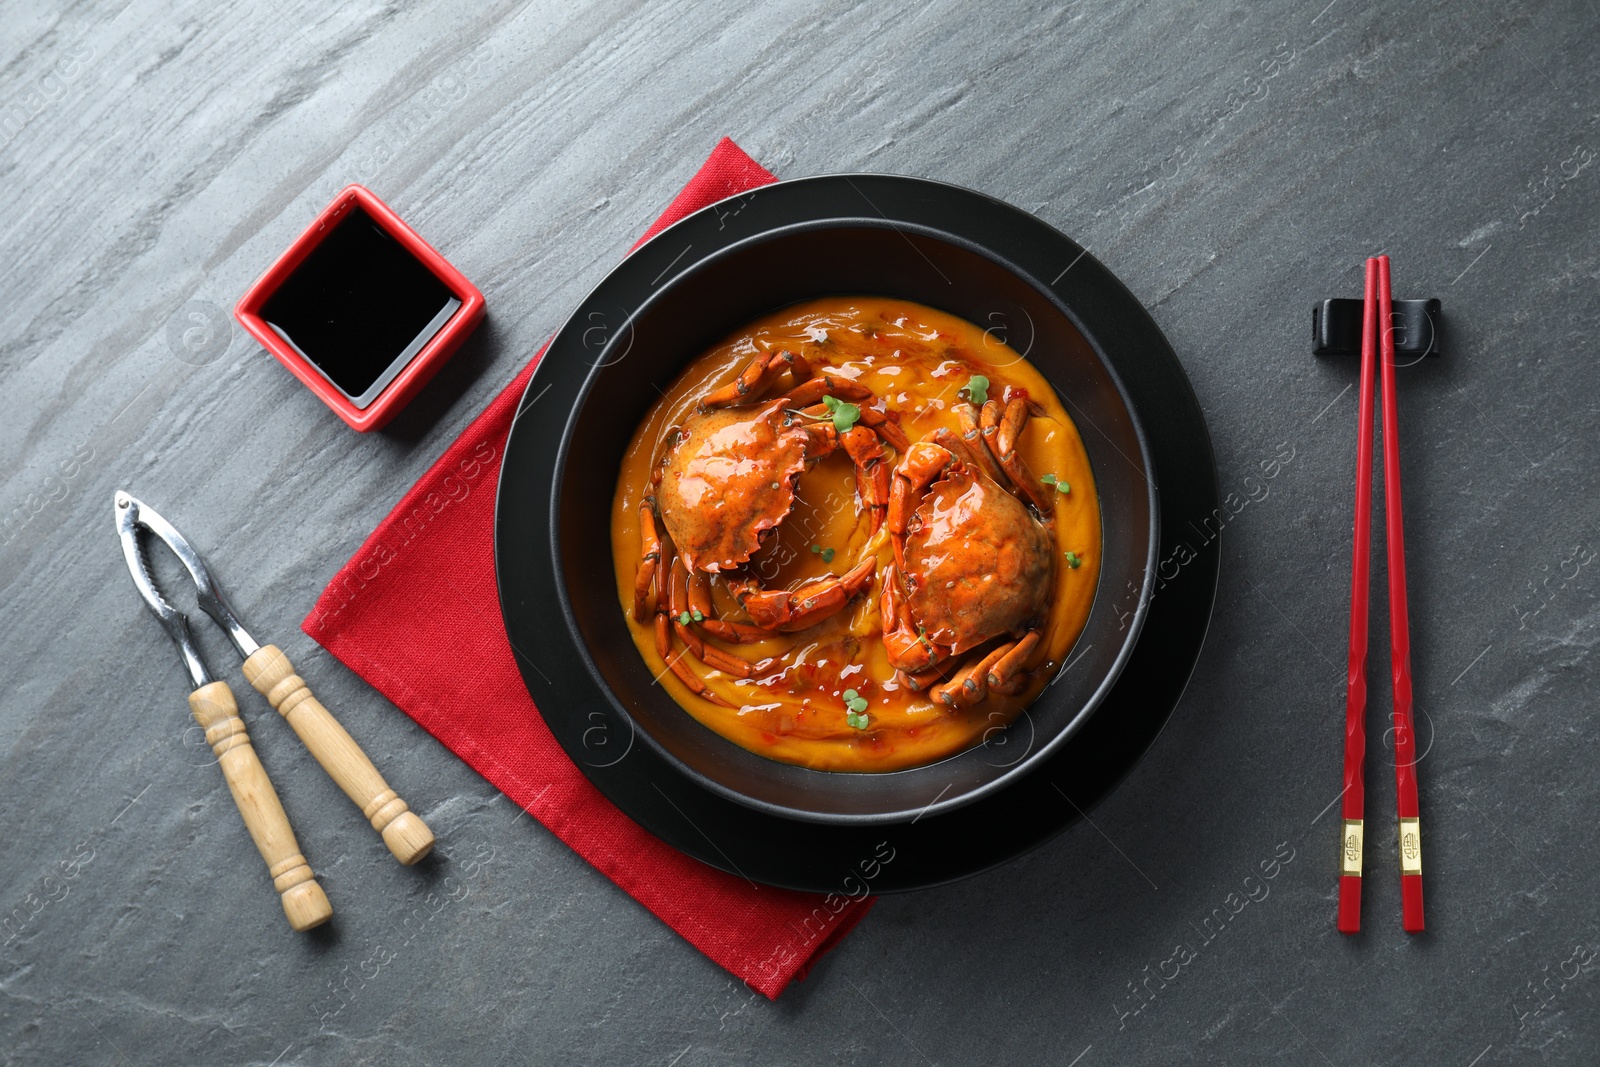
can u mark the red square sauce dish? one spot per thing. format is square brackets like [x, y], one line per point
[361, 309]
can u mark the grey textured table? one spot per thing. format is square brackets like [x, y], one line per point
[1233, 163]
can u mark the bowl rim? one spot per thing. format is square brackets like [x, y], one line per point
[1089, 705]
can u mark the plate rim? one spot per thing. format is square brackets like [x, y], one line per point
[684, 839]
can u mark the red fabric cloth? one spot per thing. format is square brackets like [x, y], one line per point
[415, 613]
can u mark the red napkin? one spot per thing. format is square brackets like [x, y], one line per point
[416, 614]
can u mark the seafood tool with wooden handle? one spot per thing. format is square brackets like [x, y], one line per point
[270, 671]
[214, 709]
[303, 899]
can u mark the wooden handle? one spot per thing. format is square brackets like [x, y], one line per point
[407, 836]
[303, 899]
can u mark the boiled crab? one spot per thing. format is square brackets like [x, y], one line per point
[726, 481]
[973, 562]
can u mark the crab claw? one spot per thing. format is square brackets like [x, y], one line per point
[649, 559]
[1000, 428]
[919, 467]
[1005, 674]
[787, 611]
[909, 652]
[757, 376]
[872, 470]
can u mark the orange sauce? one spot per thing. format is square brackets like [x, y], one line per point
[916, 360]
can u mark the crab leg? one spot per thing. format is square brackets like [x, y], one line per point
[799, 368]
[658, 465]
[971, 682]
[917, 681]
[690, 679]
[699, 595]
[663, 575]
[650, 557]
[710, 655]
[879, 423]
[825, 384]
[1014, 417]
[885, 427]
[700, 602]
[727, 663]
[1000, 428]
[1006, 674]
[757, 376]
[972, 435]
[872, 470]
[663, 635]
[678, 609]
[959, 448]
[738, 633]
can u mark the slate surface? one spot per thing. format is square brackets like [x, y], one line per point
[1232, 162]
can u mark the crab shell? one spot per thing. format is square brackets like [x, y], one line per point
[977, 563]
[729, 478]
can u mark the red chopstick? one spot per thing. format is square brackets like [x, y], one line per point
[1405, 742]
[1355, 702]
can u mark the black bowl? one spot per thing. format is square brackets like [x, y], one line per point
[751, 278]
[943, 842]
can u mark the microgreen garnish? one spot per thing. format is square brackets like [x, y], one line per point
[1051, 479]
[978, 390]
[685, 618]
[844, 415]
[825, 553]
[1074, 560]
[855, 710]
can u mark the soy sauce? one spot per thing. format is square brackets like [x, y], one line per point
[359, 307]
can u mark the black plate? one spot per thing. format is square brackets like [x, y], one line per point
[1047, 786]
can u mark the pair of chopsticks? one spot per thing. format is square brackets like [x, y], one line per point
[1377, 342]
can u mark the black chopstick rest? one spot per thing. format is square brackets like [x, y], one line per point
[1336, 327]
